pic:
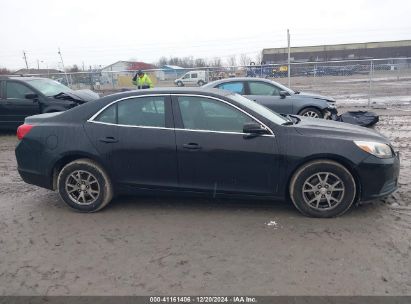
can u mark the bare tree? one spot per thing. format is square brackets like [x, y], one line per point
[200, 62]
[174, 61]
[215, 62]
[162, 61]
[232, 60]
[258, 58]
[244, 60]
[187, 62]
[4, 71]
[73, 69]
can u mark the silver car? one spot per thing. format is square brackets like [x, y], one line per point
[277, 97]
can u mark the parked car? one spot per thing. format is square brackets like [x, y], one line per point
[192, 78]
[279, 98]
[203, 141]
[24, 96]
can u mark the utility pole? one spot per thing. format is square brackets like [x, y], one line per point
[38, 64]
[289, 56]
[62, 63]
[25, 59]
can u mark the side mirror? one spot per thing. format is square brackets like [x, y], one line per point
[31, 96]
[283, 94]
[254, 128]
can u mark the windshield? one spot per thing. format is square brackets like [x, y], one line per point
[48, 87]
[263, 111]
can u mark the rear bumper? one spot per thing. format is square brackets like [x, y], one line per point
[36, 179]
[379, 177]
[32, 165]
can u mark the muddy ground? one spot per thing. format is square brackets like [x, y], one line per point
[152, 246]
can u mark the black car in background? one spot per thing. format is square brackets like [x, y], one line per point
[277, 97]
[203, 141]
[25, 96]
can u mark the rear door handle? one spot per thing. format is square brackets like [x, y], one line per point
[108, 140]
[192, 146]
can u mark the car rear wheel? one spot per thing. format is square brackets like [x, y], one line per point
[84, 186]
[200, 83]
[311, 112]
[322, 188]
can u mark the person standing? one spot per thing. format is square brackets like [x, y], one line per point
[142, 80]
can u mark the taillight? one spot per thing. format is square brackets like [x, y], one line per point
[23, 130]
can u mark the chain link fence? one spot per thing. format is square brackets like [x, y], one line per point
[354, 82]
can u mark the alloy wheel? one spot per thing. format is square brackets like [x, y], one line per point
[82, 187]
[323, 191]
[311, 114]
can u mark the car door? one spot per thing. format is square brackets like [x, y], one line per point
[186, 79]
[135, 137]
[193, 78]
[268, 95]
[214, 155]
[14, 107]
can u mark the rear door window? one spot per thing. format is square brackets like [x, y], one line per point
[235, 87]
[139, 111]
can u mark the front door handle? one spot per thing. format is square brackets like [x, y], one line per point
[108, 140]
[192, 146]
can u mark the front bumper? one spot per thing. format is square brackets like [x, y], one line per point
[330, 113]
[379, 177]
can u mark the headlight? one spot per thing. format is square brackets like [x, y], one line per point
[375, 148]
[331, 105]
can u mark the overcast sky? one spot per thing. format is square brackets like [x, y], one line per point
[102, 32]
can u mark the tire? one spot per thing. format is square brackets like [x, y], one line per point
[180, 84]
[97, 189]
[319, 200]
[311, 112]
[200, 83]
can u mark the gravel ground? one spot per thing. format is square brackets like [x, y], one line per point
[152, 246]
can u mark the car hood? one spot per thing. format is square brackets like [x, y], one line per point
[79, 96]
[333, 129]
[316, 96]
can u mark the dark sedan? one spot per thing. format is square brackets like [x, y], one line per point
[277, 97]
[203, 141]
[25, 96]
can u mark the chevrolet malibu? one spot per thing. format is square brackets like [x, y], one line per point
[203, 141]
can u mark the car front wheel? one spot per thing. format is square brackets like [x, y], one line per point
[84, 186]
[322, 188]
[311, 112]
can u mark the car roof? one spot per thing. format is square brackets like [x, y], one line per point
[22, 78]
[231, 79]
[172, 90]
[86, 110]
